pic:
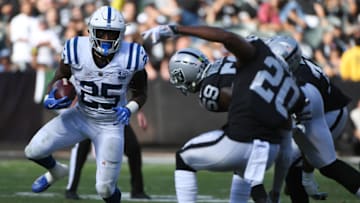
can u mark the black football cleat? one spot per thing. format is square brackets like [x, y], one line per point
[71, 195]
[319, 196]
[140, 195]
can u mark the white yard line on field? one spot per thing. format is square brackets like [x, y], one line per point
[125, 197]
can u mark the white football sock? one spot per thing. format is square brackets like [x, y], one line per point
[185, 186]
[240, 190]
[358, 193]
[309, 183]
[59, 171]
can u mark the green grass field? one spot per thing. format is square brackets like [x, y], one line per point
[18, 175]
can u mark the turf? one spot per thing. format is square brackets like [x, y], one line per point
[18, 175]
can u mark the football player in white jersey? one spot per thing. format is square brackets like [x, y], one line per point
[250, 142]
[102, 66]
[326, 117]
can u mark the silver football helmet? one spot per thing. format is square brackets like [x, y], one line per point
[286, 47]
[187, 67]
[106, 20]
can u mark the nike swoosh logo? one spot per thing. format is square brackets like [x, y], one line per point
[51, 106]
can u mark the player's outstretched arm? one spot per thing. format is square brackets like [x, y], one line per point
[240, 47]
[236, 44]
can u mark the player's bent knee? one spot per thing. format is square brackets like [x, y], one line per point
[180, 164]
[30, 153]
[105, 190]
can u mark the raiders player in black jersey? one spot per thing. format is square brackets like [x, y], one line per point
[262, 89]
[316, 143]
[209, 80]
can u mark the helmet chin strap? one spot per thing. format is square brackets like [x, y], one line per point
[203, 74]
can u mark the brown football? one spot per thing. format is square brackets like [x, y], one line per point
[64, 88]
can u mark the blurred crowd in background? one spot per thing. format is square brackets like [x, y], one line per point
[32, 32]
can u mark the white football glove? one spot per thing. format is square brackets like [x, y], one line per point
[159, 33]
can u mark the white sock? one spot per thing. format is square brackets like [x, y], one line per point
[59, 171]
[309, 183]
[185, 186]
[358, 193]
[240, 190]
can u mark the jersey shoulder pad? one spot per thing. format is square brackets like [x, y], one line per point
[213, 69]
[135, 55]
[71, 51]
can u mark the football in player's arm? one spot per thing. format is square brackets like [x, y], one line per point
[102, 66]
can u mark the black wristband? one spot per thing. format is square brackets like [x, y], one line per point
[174, 29]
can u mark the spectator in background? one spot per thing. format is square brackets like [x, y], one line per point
[147, 19]
[292, 16]
[5, 65]
[8, 9]
[189, 12]
[350, 63]
[334, 9]
[315, 19]
[42, 6]
[53, 21]
[328, 53]
[269, 18]
[64, 8]
[306, 49]
[170, 9]
[352, 12]
[314, 13]
[21, 28]
[130, 10]
[69, 32]
[248, 10]
[87, 9]
[5, 14]
[117, 4]
[223, 11]
[46, 46]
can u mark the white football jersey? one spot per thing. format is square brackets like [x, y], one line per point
[101, 89]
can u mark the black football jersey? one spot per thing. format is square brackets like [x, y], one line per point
[263, 98]
[333, 97]
[221, 74]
